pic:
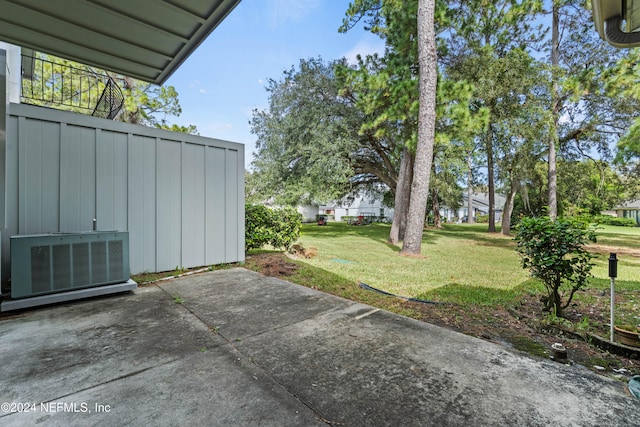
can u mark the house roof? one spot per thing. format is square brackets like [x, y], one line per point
[481, 201]
[144, 39]
[633, 204]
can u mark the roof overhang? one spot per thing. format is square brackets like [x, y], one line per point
[618, 21]
[144, 39]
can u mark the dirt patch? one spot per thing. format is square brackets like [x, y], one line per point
[273, 265]
[302, 252]
[523, 327]
[604, 249]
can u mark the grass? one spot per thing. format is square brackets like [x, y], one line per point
[619, 239]
[455, 256]
[628, 237]
[461, 264]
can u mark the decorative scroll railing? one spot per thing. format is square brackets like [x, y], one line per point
[65, 86]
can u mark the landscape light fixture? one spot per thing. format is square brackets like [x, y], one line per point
[618, 21]
[613, 273]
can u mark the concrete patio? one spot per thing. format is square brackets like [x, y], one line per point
[233, 347]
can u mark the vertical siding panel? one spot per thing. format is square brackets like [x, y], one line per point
[121, 178]
[142, 203]
[169, 197]
[215, 205]
[150, 204]
[193, 205]
[111, 181]
[87, 138]
[12, 204]
[31, 182]
[104, 180]
[181, 198]
[22, 172]
[239, 191]
[51, 177]
[232, 220]
[78, 184]
[136, 203]
[69, 181]
[38, 176]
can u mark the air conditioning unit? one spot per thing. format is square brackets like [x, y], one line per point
[44, 264]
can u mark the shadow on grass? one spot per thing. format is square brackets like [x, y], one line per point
[380, 233]
[605, 285]
[606, 237]
[331, 283]
[377, 232]
[479, 234]
[479, 295]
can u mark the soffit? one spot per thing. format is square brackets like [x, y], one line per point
[144, 39]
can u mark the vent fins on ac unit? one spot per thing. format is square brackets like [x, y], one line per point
[50, 263]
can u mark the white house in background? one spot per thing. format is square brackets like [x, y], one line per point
[371, 205]
[626, 210]
[364, 203]
[309, 213]
[480, 207]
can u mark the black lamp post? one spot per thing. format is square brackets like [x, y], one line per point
[613, 273]
[613, 265]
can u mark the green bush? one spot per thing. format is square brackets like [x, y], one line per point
[612, 220]
[276, 227]
[482, 218]
[555, 253]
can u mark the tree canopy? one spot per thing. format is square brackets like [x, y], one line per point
[519, 83]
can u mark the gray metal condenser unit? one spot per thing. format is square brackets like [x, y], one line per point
[58, 262]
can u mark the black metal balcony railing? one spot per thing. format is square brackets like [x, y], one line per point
[59, 85]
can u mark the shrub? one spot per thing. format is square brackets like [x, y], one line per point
[276, 227]
[482, 218]
[605, 220]
[286, 225]
[612, 220]
[554, 252]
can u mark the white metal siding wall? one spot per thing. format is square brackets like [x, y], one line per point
[181, 197]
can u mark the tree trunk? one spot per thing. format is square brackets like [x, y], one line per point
[402, 197]
[508, 206]
[555, 110]
[491, 184]
[471, 218]
[426, 128]
[437, 220]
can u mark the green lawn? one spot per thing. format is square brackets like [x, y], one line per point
[457, 255]
[619, 239]
[459, 259]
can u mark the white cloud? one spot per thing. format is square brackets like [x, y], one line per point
[202, 91]
[282, 11]
[364, 48]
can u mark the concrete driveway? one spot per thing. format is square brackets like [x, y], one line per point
[233, 347]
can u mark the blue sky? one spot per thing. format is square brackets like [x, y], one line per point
[224, 79]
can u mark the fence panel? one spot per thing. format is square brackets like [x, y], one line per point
[181, 197]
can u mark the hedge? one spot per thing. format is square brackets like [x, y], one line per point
[278, 227]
